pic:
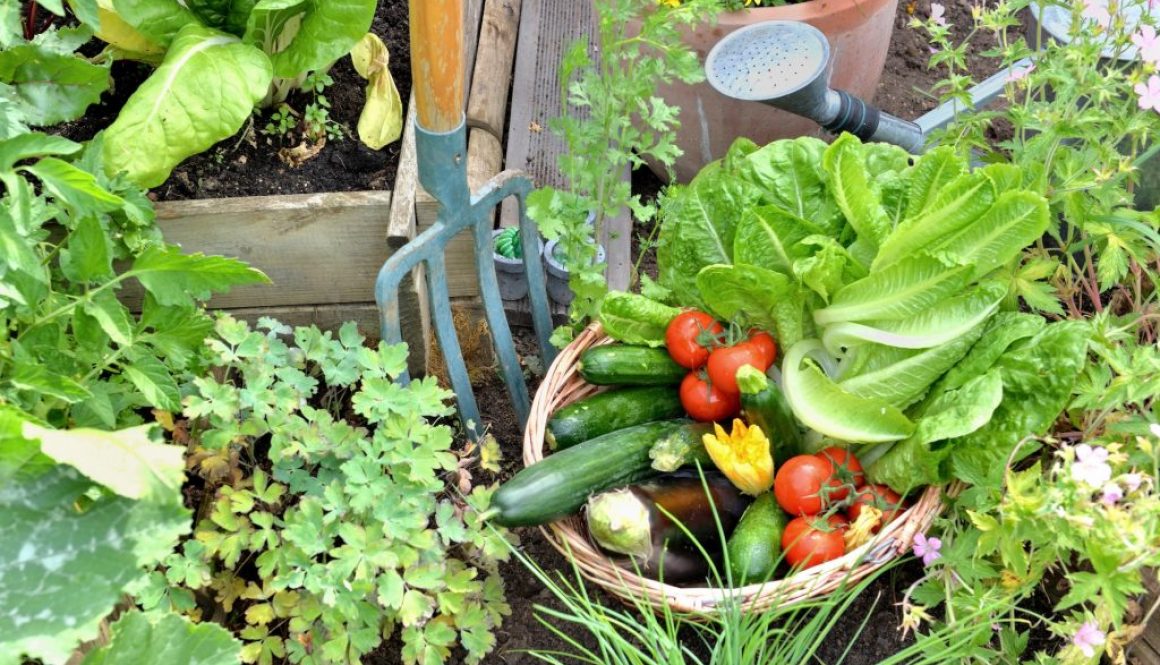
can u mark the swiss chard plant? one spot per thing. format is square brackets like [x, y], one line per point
[328, 523]
[218, 60]
[71, 239]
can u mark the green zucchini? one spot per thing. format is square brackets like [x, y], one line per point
[683, 447]
[561, 483]
[754, 548]
[620, 364]
[609, 411]
[769, 410]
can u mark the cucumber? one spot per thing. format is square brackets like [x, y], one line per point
[610, 411]
[561, 483]
[755, 546]
[769, 410]
[619, 364]
[683, 447]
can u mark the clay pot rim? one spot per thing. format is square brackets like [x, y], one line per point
[803, 11]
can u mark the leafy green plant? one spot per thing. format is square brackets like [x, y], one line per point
[613, 121]
[282, 121]
[90, 510]
[239, 55]
[74, 353]
[327, 522]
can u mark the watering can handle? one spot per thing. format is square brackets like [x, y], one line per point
[437, 63]
[869, 123]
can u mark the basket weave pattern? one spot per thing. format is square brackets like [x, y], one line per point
[563, 385]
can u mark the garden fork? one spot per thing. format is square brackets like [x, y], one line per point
[437, 67]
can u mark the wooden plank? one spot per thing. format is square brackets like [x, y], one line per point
[491, 80]
[317, 248]
[401, 228]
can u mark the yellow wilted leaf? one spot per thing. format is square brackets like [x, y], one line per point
[229, 588]
[381, 121]
[260, 614]
[490, 454]
[114, 31]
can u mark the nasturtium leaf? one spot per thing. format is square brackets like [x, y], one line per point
[173, 278]
[51, 87]
[1016, 220]
[168, 638]
[635, 319]
[900, 290]
[202, 93]
[328, 31]
[961, 202]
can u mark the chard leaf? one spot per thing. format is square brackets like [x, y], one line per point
[111, 28]
[825, 407]
[158, 20]
[1016, 220]
[904, 381]
[930, 175]
[48, 87]
[899, 291]
[202, 93]
[856, 194]
[329, 30]
[936, 325]
[789, 175]
[770, 237]
[273, 23]
[961, 202]
[1038, 376]
[634, 319]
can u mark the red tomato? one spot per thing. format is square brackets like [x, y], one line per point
[808, 541]
[847, 470]
[705, 402]
[764, 341]
[688, 336]
[798, 484]
[724, 363]
[882, 498]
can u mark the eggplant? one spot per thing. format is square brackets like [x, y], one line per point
[632, 521]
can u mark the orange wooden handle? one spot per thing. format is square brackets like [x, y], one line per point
[437, 61]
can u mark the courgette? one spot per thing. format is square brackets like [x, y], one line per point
[560, 483]
[620, 364]
[612, 410]
[755, 546]
[683, 447]
[768, 409]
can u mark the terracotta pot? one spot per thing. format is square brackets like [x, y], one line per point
[859, 34]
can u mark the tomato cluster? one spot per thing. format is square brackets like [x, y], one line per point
[697, 341]
[815, 488]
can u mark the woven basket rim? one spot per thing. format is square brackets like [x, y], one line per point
[562, 385]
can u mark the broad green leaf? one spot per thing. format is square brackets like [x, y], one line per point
[110, 28]
[12, 119]
[769, 237]
[765, 298]
[634, 319]
[75, 188]
[127, 462]
[904, 382]
[329, 30]
[34, 376]
[65, 569]
[930, 174]
[34, 144]
[272, 23]
[51, 87]
[823, 406]
[789, 175]
[11, 24]
[154, 381]
[17, 252]
[158, 21]
[959, 412]
[113, 317]
[165, 638]
[1016, 220]
[931, 327]
[961, 202]
[854, 191]
[176, 333]
[826, 268]
[87, 256]
[900, 290]
[1001, 332]
[53, 6]
[381, 120]
[174, 278]
[203, 92]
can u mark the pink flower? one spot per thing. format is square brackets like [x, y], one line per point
[1020, 73]
[1091, 464]
[1149, 94]
[1148, 44]
[1111, 494]
[936, 13]
[1088, 637]
[1097, 10]
[1133, 481]
[927, 548]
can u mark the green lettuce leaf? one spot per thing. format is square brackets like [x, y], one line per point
[770, 237]
[855, 191]
[1003, 330]
[899, 291]
[635, 319]
[789, 175]
[930, 175]
[329, 30]
[766, 299]
[1017, 219]
[958, 204]
[203, 92]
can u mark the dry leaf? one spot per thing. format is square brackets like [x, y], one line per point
[301, 153]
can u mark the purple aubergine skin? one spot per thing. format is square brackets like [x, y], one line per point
[682, 496]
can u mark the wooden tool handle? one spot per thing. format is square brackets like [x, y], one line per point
[437, 61]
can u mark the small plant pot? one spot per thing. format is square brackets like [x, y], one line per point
[513, 278]
[558, 289]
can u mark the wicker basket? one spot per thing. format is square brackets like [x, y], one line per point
[562, 386]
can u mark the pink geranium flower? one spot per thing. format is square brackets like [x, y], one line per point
[1149, 93]
[1091, 462]
[1020, 73]
[1148, 44]
[936, 13]
[1088, 637]
[1097, 10]
[927, 549]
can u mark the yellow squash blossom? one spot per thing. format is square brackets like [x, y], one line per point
[863, 527]
[670, 3]
[743, 456]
